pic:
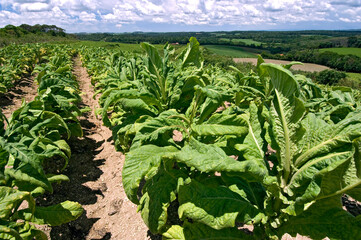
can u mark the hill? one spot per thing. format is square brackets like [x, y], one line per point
[31, 34]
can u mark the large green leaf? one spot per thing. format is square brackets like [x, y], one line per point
[324, 219]
[253, 145]
[191, 55]
[329, 163]
[282, 79]
[221, 124]
[138, 163]
[218, 207]
[154, 61]
[286, 131]
[210, 158]
[158, 130]
[159, 191]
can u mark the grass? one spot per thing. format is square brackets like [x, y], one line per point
[231, 51]
[354, 76]
[247, 41]
[353, 80]
[344, 51]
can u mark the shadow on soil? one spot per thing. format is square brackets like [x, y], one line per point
[82, 168]
[16, 92]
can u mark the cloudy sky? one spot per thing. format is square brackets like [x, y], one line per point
[183, 15]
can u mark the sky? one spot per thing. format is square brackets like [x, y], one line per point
[183, 15]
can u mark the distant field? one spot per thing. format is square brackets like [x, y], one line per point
[237, 41]
[247, 41]
[121, 46]
[308, 67]
[344, 51]
[354, 76]
[231, 51]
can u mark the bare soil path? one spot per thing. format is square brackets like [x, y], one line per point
[24, 89]
[96, 181]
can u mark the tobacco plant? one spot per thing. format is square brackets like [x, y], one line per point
[36, 134]
[296, 190]
[267, 148]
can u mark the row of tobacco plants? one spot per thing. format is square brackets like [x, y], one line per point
[210, 150]
[17, 61]
[35, 136]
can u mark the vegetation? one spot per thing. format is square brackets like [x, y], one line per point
[348, 63]
[32, 34]
[266, 148]
[330, 77]
[17, 61]
[231, 51]
[35, 136]
[344, 51]
[210, 145]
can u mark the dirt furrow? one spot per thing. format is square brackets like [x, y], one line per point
[96, 181]
[24, 89]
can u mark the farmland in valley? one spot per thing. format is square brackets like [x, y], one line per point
[231, 51]
[344, 51]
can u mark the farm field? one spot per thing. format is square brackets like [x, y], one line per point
[243, 41]
[355, 76]
[231, 51]
[202, 152]
[308, 67]
[344, 51]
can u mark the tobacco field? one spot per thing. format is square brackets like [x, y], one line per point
[210, 153]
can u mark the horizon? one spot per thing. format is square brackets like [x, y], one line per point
[128, 16]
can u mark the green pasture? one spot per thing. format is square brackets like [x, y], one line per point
[344, 51]
[231, 51]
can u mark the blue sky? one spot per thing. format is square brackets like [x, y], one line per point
[183, 15]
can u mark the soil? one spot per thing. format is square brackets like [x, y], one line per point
[24, 89]
[95, 181]
[308, 67]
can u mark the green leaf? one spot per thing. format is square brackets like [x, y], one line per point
[53, 215]
[324, 219]
[174, 233]
[196, 231]
[11, 199]
[282, 79]
[210, 158]
[253, 145]
[286, 131]
[138, 163]
[7, 232]
[222, 124]
[158, 130]
[154, 63]
[159, 191]
[217, 207]
[191, 55]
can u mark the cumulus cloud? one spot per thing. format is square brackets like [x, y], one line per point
[116, 14]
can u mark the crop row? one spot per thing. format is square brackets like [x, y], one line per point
[210, 150]
[17, 61]
[35, 136]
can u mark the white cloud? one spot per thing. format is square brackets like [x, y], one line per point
[33, 7]
[87, 17]
[114, 14]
